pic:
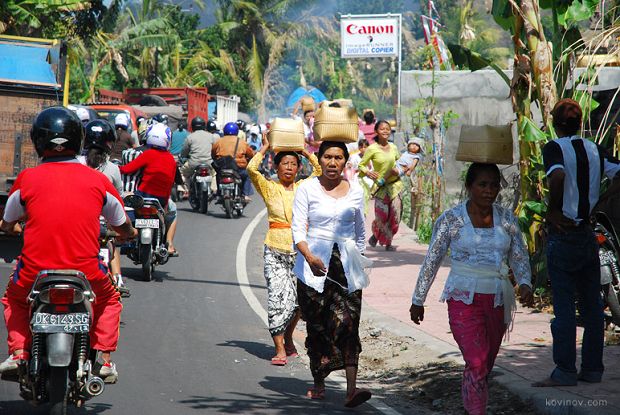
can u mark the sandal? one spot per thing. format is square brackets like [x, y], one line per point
[316, 393]
[359, 397]
[279, 361]
[173, 254]
[291, 351]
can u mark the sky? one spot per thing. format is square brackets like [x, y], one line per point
[207, 17]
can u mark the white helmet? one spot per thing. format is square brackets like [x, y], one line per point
[121, 120]
[255, 129]
[159, 135]
[83, 115]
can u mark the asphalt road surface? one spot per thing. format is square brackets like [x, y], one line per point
[190, 343]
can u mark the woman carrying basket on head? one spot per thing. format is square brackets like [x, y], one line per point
[328, 231]
[484, 241]
[279, 255]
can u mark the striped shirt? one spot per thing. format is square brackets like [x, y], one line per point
[584, 163]
[131, 181]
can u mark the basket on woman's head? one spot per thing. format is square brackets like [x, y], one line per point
[336, 124]
[286, 134]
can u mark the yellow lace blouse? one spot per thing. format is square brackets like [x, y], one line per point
[279, 202]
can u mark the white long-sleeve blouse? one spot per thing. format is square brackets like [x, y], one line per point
[476, 248]
[322, 220]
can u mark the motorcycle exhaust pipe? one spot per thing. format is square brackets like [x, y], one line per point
[163, 252]
[94, 387]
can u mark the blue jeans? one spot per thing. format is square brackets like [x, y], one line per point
[246, 184]
[574, 268]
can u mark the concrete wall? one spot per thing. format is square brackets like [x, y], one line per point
[479, 98]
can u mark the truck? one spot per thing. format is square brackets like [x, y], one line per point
[180, 104]
[33, 75]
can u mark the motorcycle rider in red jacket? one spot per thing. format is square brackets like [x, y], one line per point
[61, 201]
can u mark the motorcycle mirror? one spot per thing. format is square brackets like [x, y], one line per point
[133, 201]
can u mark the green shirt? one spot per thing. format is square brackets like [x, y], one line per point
[382, 162]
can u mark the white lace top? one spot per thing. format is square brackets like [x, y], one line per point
[475, 247]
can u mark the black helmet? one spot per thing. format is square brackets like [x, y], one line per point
[211, 127]
[241, 124]
[99, 134]
[198, 124]
[57, 131]
[162, 118]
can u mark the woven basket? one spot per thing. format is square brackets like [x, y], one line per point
[485, 144]
[286, 134]
[344, 102]
[307, 104]
[336, 124]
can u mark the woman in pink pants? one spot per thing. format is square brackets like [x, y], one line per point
[485, 242]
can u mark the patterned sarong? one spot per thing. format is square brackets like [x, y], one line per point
[281, 289]
[332, 322]
[387, 218]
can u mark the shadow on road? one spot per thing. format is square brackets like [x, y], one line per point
[23, 407]
[260, 350]
[288, 397]
[254, 286]
[135, 274]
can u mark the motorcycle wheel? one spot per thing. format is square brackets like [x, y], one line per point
[146, 258]
[193, 201]
[204, 202]
[611, 299]
[174, 194]
[239, 213]
[228, 208]
[57, 389]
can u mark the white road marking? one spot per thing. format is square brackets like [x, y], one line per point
[242, 271]
[244, 285]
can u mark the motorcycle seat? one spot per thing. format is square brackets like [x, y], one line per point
[47, 278]
[230, 172]
[149, 201]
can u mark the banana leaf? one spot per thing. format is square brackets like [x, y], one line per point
[467, 58]
[530, 132]
[502, 13]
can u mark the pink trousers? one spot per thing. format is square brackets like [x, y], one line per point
[478, 329]
[106, 316]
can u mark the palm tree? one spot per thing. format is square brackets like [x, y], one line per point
[24, 17]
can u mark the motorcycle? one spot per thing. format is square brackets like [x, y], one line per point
[609, 248]
[106, 254]
[229, 193]
[175, 194]
[60, 368]
[200, 188]
[150, 248]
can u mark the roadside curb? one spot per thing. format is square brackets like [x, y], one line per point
[561, 402]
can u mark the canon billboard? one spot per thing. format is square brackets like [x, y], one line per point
[369, 37]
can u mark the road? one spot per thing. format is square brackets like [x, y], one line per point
[190, 343]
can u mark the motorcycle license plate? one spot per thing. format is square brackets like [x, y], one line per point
[104, 254]
[60, 323]
[147, 223]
